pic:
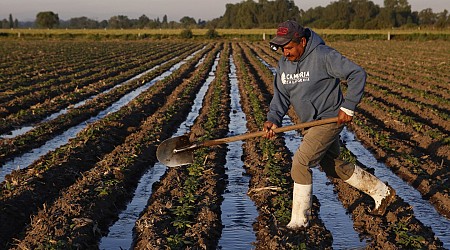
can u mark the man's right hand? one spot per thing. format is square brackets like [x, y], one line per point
[268, 128]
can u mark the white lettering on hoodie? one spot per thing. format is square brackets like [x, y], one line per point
[287, 78]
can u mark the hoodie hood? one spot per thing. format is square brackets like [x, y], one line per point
[311, 84]
[313, 40]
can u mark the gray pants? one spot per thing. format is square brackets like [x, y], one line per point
[320, 145]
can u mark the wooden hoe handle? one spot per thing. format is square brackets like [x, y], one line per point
[261, 133]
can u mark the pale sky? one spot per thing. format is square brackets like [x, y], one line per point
[26, 10]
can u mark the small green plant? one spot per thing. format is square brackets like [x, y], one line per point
[105, 189]
[283, 211]
[407, 239]
[53, 244]
[300, 246]
[176, 241]
[347, 156]
[446, 140]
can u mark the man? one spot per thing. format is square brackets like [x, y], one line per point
[308, 76]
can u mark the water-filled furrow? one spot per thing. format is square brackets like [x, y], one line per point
[332, 213]
[24, 129]
[423, 210]
[26, 159]
[120, 234]
[238, 211]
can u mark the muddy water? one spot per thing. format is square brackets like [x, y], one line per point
[29, 157]
[238, 211]
[120, 234]
[423, 210]
[332, 213]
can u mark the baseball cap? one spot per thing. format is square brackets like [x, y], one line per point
[286, 32]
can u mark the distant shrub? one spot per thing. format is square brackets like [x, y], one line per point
[211, 34]
[187, 33]
[96, 36]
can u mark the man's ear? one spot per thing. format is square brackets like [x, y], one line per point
[303, 41]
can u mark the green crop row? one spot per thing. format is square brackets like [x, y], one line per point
[186, 207]
[272, 167]
[45, 130]
[98, 130]
[392, 88]
[38, 104]
[21, 83]
[116, 170]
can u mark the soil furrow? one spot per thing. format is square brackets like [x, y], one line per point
[46, 130]
[41, 182]
[86, 208]
[366, 226]
[274, 211]
[81, 89]
[164, 222]
[68, 198]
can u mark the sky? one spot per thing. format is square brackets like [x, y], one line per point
[26, 10]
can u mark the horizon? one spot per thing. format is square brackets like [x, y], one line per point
[26, 10]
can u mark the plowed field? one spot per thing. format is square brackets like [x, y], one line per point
[139, 92]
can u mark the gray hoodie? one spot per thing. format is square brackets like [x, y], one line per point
[311, 84]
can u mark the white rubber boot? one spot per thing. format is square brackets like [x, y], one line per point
[301, 206]
[382, 194]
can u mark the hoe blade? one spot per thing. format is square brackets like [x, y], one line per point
[166, 155]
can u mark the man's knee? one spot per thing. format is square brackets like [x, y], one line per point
[345, 170]
[301, 174]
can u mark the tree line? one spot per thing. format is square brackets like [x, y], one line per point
[10, 24]
[341, 14]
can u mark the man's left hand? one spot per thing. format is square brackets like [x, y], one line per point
[343, 118]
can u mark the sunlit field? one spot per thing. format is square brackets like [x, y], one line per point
[82, 113]
[200, 32]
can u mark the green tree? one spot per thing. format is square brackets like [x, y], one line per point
[164, 23]
[312, 17]
[103, 24]
[288, 11]
[119, 22]
[338, 14]
[11, 22]
[399, 11]
[47, 19]
[82, 23]
[262, 14]
[246, 16]
[143, 21]
[443, 20]
[385, 19]
[230, 12]
[4, 24]
[427, 17]
[363, 11]
[188, 22]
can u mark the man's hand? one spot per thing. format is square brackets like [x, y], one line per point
[267, 127]
[343, 118]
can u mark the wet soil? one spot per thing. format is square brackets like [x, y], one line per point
[68, 198]
[374, 227]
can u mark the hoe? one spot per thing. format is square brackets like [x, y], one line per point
[178, 151]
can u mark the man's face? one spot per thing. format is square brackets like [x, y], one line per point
[293, 51]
